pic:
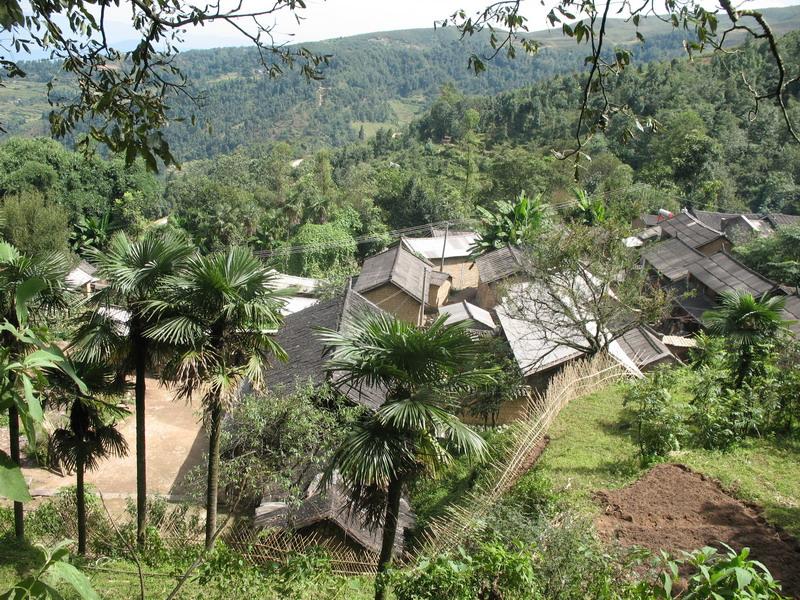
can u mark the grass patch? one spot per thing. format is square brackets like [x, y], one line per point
[591, 449]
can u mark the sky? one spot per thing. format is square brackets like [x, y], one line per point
[340, 18]
[327, 19]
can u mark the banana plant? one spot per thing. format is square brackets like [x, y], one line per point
[510, 223]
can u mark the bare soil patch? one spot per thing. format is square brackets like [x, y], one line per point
[672, 508]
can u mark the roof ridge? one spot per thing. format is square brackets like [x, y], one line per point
[699, 222]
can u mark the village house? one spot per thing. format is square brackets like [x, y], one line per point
[541, 345]
[403, 284]
[325, 515]
[671, 259]
[710, 277]
[84, 277]
[481, 321]
[299, 337]
[646, 349]
[695, 233]
[495, 269]
[449, 253]
[303, 291]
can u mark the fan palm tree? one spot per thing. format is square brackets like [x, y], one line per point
[223, 309]
[90, 436]
[747, 323]
[134, 270]
[31, 287]
[424, 372]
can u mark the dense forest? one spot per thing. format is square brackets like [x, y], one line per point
[463, 152]
[373, 80]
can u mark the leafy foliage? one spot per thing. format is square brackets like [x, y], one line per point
[510, 224]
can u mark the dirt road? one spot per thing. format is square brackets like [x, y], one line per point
[175, 443]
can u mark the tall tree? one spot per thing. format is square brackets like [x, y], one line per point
[90, 435]
[134, 270]
[223, 309]
[749, 326]
[30, 289]
[424, 371]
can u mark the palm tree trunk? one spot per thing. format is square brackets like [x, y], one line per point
[140, 359]
[13, 434]
[389, 535]
[81, 506]
[212, 484]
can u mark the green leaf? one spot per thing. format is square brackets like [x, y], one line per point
[26, 291]
[12, 483]
[34, 407]
[743, 577]
[77, 580]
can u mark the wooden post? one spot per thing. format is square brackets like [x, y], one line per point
[444, 244]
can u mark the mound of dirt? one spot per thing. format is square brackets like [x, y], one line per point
[672, 508]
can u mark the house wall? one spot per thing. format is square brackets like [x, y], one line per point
[395, 301]
[715, 246]
[486, 297]
[437, 295]
[463, 271]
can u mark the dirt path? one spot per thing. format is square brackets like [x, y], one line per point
[175, 443]
[673, 508]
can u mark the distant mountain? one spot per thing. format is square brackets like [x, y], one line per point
[375, 80]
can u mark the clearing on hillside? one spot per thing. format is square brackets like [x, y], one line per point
[673, 508]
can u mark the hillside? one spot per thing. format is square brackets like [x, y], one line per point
[375, 80]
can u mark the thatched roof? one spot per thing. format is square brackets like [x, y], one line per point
[499, 264]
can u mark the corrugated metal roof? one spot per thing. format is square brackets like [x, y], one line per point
[464, 311]
[398, 266]
[689, 229]
[457, 246]
[722, 273]
[499, 264]
[671, 258]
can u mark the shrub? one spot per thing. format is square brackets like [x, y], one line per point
[659, 423]
[709, 574]
[722, 414]
[491, 571]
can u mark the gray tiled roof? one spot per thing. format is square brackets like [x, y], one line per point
[331, 506]
[644, 348]
[720, 273]
[398, 266]
[779, 220]
[715, 220]
[792, 313]
[671, 258]
[689, 229]
[499, 264]
[307, 356]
